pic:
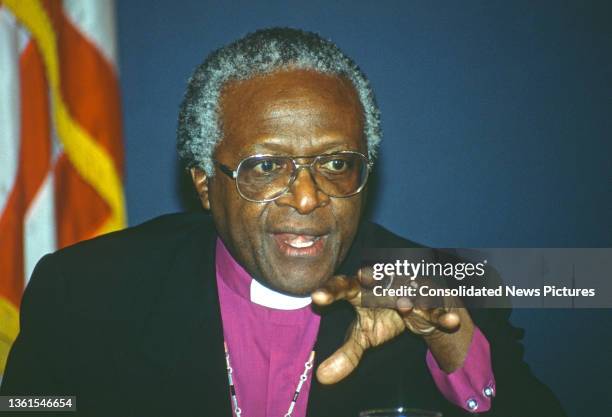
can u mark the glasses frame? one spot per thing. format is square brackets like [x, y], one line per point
[233, 173]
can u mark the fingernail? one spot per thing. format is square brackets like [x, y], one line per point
[404, 303]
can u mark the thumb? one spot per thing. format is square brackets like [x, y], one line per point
[339, 365]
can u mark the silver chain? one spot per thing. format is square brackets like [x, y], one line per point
[303, 378]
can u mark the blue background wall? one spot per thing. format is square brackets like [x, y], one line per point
[497, 120]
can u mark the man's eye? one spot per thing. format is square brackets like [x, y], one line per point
[266, 166]
[336, 165]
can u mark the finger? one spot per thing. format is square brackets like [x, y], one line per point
[426, 321]
[448, 320]
[417, 324]
[404, 305]
[417, 320]
[366, 276]
[339, 287]
[339, 365]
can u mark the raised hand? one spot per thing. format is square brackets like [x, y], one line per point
[446, 327]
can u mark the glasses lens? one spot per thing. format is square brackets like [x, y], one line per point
[341, 174]
[262, 178]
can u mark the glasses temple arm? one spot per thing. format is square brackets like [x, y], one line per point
[227, 170]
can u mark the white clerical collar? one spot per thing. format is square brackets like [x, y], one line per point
[266, 297]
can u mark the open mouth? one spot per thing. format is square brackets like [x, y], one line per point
[293, 244]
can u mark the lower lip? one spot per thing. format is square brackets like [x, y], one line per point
[288, 250]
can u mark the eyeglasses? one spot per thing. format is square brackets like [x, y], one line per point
[261, 178]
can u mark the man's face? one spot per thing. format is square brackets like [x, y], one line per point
[294, 243]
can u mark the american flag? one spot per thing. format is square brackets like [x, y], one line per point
[61, 149]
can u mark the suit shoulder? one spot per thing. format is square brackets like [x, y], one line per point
[115, 275]
[161, 232]
[124, 263]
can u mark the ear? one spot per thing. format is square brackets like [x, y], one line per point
[200, 181]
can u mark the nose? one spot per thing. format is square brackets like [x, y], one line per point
[304, 194]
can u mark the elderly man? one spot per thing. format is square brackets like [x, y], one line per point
[279, 131]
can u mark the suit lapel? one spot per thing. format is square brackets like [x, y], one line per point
[334, 320]
[184, 335]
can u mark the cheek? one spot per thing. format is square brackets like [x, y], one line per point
[241, 219]
[347, 215]
[226, 208]
[246, 223]
[249, 218]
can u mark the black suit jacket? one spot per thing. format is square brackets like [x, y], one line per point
[130, 324]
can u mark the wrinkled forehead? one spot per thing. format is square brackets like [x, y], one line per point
[293, 106]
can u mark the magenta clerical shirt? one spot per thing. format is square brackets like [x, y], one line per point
[270, 336]
[268, 347]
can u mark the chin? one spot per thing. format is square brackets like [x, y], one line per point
[299, 283]
[297, 271]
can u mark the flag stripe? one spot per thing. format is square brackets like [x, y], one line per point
[33, 163]
[9, 327]
[34, 159]
[92, 161]
[90, 89]
[96, 109]
[61, 156]
[74, 197]
[95, 20]
[9, 104]
[39, 227]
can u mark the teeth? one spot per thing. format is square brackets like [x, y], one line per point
[300, 245]
[301, 242]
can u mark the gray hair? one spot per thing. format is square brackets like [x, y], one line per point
[261, 52]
